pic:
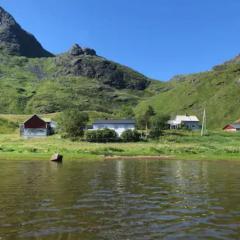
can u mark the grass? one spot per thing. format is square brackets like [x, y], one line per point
[180, 145]
[47, 85]
[215, 90]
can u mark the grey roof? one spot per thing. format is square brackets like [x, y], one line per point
[119, 121]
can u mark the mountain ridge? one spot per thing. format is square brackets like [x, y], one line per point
[16, 41]
[39, 82]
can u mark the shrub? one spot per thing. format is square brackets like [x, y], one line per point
[91, 136]
[130, 136]
[73, 123]
[101, 135]
[158, 124]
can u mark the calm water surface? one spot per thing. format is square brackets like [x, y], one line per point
[120, 200]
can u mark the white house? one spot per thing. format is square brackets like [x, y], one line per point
[187, 121]
[119, 126]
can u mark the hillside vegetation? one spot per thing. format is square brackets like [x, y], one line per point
[32, 80]
[217, 90]
[42, 85]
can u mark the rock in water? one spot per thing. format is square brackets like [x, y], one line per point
[57, 157]
[16, 41]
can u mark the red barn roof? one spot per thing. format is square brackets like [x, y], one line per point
[232, 126]
[35, 122]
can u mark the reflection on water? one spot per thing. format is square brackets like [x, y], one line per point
[120, 200]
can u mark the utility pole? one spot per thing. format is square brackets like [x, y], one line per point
[204, 123]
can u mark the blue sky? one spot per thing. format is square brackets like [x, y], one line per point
[159, 38]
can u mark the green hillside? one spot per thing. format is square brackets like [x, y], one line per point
[217, 90]
[42, 85]
[48, 85]
[32, 80]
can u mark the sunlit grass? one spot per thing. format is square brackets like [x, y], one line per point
[183, 145]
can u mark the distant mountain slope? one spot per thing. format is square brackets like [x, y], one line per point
[16, 41]
[46, 85]
[217, 90]
[85, 62]
[33, 80]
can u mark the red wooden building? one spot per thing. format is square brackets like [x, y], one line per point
[232, 127]
[35, 127]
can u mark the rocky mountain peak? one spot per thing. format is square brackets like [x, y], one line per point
[6, 19]
[16, 41]
[76, 50]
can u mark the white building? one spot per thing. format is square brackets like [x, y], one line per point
[187, 121]
[119, 126]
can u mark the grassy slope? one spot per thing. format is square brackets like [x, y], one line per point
[30, 86]
[218, 91]
[33, 85]
[181, 146]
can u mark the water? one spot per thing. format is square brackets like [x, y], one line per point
[120, 200]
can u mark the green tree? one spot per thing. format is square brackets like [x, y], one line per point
[73, 123]
[145, 119]
[158, 124]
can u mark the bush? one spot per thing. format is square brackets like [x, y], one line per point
[73, 123]
[101, 135]
[91, 136]
[130, 136]
[158, 124]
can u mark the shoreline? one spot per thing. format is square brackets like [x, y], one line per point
[217, 146]
[92, 157]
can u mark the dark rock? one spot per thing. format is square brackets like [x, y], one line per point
[89, 51]
[76, 50]
[16, 41]
[56, 157]
[107, 72]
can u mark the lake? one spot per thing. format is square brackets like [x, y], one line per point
[131, 199]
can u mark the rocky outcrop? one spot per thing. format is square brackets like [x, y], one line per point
[16, 41]
[76, 50]
[80, 61]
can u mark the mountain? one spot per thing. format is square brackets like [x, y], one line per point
[32, 80]
[217, 90]
[85, 62]
[84, 81]
[16, 41]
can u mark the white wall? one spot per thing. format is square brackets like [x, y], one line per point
[34, 132]
[118, 128]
